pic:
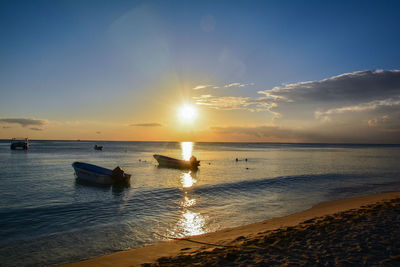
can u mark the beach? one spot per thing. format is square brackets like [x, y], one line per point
[355, 231]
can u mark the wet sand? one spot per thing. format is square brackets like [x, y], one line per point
[356, 231]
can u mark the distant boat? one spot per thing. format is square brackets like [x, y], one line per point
[164, 161]
[99, 175]
[96, 147]
[19, 145]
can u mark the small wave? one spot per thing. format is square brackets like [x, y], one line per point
[269, 183]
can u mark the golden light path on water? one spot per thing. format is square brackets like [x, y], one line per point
[188, 202]
[187, 179]
[187, 150]
[191, 222]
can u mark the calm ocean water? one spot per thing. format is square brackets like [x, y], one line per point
[48, 218]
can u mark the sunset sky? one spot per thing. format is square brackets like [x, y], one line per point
[274, 71]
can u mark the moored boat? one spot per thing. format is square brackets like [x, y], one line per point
[169, 162]
[99, 175]
[19, 145]
[96, 147]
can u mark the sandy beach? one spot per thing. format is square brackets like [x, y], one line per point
[356, 231]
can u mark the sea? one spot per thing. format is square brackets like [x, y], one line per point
[48, 217]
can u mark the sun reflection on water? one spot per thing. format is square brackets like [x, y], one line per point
[191, 223]
[188, 202]
[187, 149]
[187, 180]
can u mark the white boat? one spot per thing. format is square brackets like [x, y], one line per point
[99, 175]
[165, 161]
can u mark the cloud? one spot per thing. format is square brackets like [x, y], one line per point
[35, 129]
[330, 134]
[359, 86]
[238, 103]
[271, 133]
[358, 91]
[24, 122]
[98, 132]
[226, 103]
[237, 85]
[376, 121]
[205, 86]
[257, 131]
[373, 105]
[147, 125]
[362, 106]
[231, 85]
[6, 127]
[234, 102]
[373, 122]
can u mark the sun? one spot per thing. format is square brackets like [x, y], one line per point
[187, 113]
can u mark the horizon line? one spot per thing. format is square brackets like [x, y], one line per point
[238, 142]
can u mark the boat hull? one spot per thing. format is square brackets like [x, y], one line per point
[21, 145]
[168, 162]
[96, 174]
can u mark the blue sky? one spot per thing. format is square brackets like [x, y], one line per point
[105, 65]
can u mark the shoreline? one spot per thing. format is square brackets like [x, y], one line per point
[224, 242]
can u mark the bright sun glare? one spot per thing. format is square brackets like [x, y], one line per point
[187, 113]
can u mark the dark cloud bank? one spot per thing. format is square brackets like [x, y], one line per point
[358, 107]
[349, 88]
[33, 124]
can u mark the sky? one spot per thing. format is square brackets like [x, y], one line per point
[245, 71]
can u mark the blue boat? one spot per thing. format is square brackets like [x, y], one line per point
[99, 175]
[168, 162]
